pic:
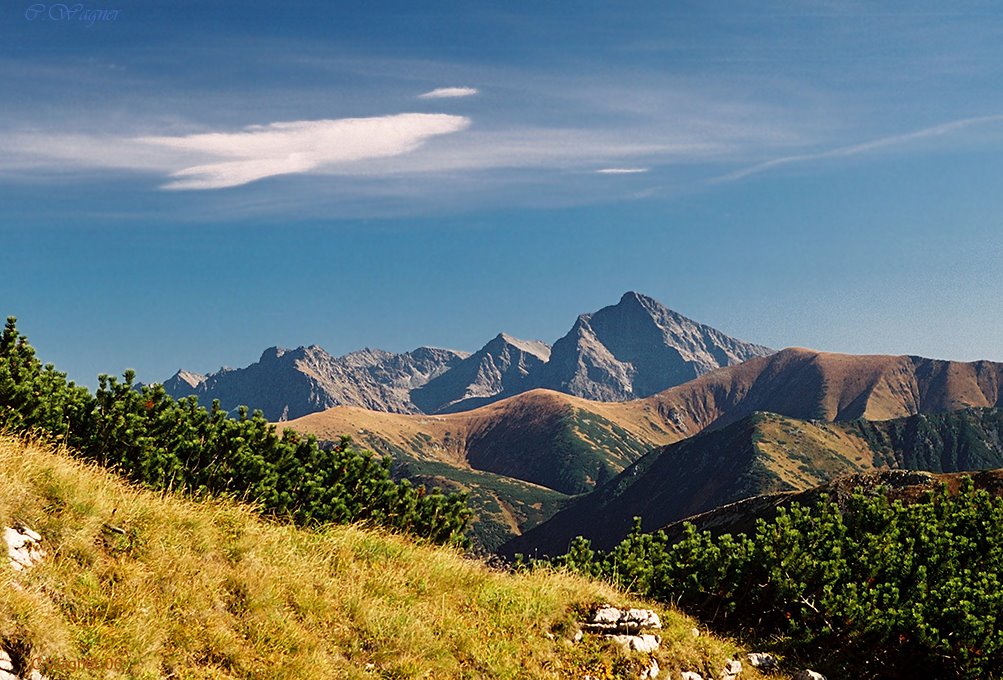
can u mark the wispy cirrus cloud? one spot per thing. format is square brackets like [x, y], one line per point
[449, 93]
[300, 146]
[621, 171]
[864, 147]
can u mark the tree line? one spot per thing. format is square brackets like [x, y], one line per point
[150, 438]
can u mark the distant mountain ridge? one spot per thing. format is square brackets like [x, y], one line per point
[503, 366]
[286, 384]
[632, 349]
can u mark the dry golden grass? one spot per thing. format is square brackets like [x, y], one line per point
[208, 590]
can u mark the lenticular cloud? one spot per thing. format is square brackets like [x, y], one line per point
[449, 92]
[261, 151]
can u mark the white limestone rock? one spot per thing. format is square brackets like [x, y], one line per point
[762, 661]
[637, 643]
[23, 547]
[609, 620]
[732, 668]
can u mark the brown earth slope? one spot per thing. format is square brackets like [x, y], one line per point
[520, 460]
[547, 438]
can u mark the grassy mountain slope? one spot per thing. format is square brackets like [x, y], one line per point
[138, 584]
[546, 438]
[520, 459]
[761, 454]
[807, 384]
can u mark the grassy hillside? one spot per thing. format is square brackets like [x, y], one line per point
[503, 506]
[549, 439]
[153, 586]
[762, 454]
[519, 460]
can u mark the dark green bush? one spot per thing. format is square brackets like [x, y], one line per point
[875, 589]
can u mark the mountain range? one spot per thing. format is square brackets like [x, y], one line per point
[570, 446]
[637, 410]
[632, 349]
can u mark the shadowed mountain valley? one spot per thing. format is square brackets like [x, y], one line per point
[762, 454]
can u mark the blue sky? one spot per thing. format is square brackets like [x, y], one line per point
[183, 184]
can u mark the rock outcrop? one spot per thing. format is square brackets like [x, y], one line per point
[625, 627]
[763, 661]
[24, 550]
[24, 547]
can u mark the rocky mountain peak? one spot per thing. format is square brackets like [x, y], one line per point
[634, 298]
[500, 342]
[636, 348]
[272, 354]
[183, 383]
[501, 367]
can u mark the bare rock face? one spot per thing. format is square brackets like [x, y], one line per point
[609, 620]
[501, 367]
[637, 348]
[286, 384]
[637, 643]
[732, 669]
[183, 383]
[8, 671]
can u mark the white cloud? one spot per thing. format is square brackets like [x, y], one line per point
[865, 147]
[621, 171]
[449, 92]
[298, 147]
